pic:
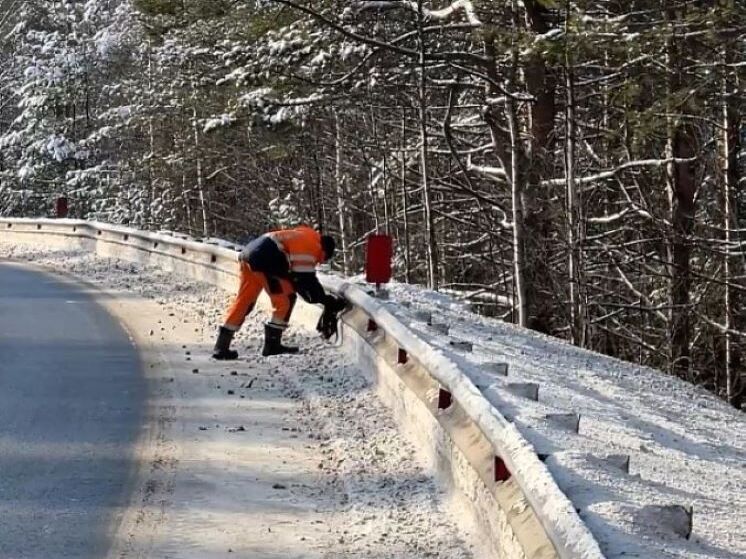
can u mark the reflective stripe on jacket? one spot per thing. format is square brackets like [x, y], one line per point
[302, 245]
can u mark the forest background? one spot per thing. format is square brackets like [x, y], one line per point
[575, 167]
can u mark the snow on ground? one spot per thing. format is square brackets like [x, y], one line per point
[289, 457]
[686, 447]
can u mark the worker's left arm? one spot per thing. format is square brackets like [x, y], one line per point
[307, 285]
[303, 273]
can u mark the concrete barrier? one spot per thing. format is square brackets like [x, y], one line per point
[509, 491]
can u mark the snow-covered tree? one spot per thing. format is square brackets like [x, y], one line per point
[573, 167]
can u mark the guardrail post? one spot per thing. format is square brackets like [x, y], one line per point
[569, 421]
[528, 390]
[677, 519]
[496, 368]
[441, 328]
[462, 345]
[620, 461]
[424, 316]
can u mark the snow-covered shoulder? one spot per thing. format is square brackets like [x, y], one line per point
[655, 466]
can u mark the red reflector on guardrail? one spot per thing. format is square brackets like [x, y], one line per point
[445, 399]
[501, 470]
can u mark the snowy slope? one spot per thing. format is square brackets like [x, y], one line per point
[685, 447]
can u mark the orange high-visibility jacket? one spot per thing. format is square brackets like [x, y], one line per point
[289, 253]
[302, 245]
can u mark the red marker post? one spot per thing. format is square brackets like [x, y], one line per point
[379, 252]
[61, 207]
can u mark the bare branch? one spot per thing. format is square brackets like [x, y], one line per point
[655, 163]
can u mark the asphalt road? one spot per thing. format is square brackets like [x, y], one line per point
[71, 388]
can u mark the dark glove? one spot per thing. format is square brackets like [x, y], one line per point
[335, 303]
[307, 286]
[333, 307]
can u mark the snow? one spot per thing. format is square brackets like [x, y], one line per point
[255, 98]
[291, 456]
[26, 171]
[59, 147]
[218, 122]
[685, 446]
[562, 525]
[319, 59]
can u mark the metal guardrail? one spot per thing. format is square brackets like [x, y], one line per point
[514, 457]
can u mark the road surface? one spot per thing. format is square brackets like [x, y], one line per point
[71, 389]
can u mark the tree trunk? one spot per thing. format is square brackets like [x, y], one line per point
[541, 85]
[203, 199]
[431, 241]
[577, 328]
[339, 180]
[517, 187]
[405, 203]
[731, 148]
[151, 133]
[683, 188]
[681, 178]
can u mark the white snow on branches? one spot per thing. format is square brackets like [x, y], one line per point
[218, 122]
[460, 5]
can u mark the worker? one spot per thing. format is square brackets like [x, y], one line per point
[282, 263]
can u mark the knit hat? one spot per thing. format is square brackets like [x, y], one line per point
[328, 245]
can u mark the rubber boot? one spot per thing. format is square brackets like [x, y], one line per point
[272, 342]
[222, 345]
